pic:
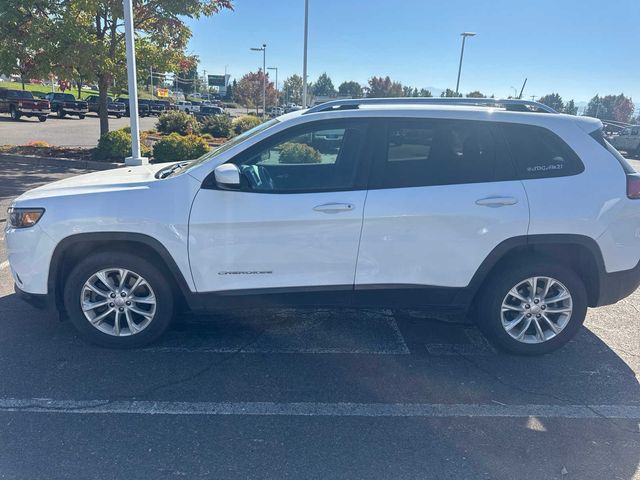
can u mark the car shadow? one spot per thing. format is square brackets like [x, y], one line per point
[362, 356]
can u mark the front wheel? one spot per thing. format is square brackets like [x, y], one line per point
[81, 117]
[15, 114]
[61, 113]
[532, 308]
[42, 118]
[118, 300]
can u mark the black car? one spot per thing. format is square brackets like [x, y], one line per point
[144, 109]
[63, 104]
[114, 108]
[20, 103]
[165, 105]
[208, 110]
[154, 107]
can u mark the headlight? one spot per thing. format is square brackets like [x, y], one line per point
[24, 217]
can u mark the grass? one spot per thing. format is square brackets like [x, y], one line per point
[46, 89]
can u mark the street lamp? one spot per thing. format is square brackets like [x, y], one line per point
[464, 37]
[304, 62]
[277, 92]
[264, 76]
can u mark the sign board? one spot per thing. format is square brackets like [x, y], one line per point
[162, 92]
[217, 80]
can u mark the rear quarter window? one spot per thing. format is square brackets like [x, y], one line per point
[540, 153]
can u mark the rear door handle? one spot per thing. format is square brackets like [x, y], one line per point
[334, 207]
[497, 201]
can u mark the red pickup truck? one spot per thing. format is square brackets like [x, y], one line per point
[20, 103]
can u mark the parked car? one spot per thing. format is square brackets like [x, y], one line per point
[292, 107]
[144, 109]
[275, 111]
[20, 103]
[187, 107]
[63, 104]
[419, 205]
[628, 140]
[165, 105]
[154, 108]
[117, 109]
[207, 110]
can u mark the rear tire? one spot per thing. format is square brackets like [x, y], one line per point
[42, 118]
[545, 325]
[81, 117]
[60, 113]
[142, 313]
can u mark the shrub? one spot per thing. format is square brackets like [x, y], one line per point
[244, 123]
[175, 121]
[116, 145]
[174, 148]
[298, 153]
[39, 144]
[219, 126]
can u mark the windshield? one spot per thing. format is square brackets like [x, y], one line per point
[67, 97]
[227, 146]
[20, 94]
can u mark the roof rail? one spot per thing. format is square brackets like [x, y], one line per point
[508, 104]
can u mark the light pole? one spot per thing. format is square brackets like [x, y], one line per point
[304, 62]
[135, 158]
[277, 91]
[264, 76]
[464, 37]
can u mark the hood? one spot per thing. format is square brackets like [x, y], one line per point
[126, 178]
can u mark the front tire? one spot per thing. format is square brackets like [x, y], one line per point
[42, 118]
[15, 114]
[81, 117]
[118, 300]
[532, 308]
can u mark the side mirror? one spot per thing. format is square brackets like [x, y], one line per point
[227, 176]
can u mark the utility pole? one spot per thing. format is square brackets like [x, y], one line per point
[135, 158]
[264, 76]
[464, 37]
[304, 62]
[151, 80]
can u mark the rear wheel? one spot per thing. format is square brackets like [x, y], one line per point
[118, 300]
[532, 308]
[60, 113]
[42, 118]
[81, 117]
[15, 114]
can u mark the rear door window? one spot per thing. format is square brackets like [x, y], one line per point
[539, 153]
[424, 152]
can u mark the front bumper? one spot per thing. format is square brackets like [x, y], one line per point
[34, 111]
[40, 301]
[618, 285]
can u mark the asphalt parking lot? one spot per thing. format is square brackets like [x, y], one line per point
[311, 394]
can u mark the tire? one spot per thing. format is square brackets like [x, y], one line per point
[60, 112]
[81, 117]
[15, 114]
[154, 287]
[497, 292]
[118, 116]
[43, 118]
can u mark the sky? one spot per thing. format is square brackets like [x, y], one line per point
[574, 47]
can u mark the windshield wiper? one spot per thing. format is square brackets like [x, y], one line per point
[165, 172]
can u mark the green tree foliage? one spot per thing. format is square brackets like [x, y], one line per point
[476, 94]
[186, 74]
[570, 108]
[611, 107]
[553, 100]
[380, 87]
[324, 86]
[292, 89]
[248, 91]
[450, 93]
[26, 28]
[350, 89]
[90, 33]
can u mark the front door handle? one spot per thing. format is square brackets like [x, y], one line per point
[334, 207]
[494, 202]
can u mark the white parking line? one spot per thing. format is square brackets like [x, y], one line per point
[630, 412]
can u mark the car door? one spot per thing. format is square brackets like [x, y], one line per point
[441, 199]
[296, 220]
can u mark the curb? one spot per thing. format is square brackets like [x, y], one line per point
[61, 162]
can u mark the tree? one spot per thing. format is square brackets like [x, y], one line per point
[450, 93]
[476, 94]
[324, 86]
[292, 89]
[350, 89]
[248, 91]
[380, 87]
[570, 108]
[95, 27]
[425, 93]
[553, 100]
[186, 74]
[26, 27]
[611, 107]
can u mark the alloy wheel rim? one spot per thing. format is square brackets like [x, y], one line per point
[536, 310]
[118, 302]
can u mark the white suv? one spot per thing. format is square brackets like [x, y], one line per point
[520, 216]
